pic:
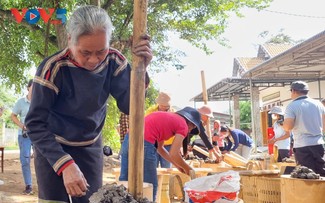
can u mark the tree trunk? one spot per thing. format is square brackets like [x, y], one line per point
[62, 36]
[95, 2]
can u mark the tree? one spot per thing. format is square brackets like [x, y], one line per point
[24, 45]
[7, 101]
[279, 38]
[245, 115]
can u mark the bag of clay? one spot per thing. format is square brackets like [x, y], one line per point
[215, 188]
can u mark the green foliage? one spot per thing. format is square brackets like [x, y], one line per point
[279, 38]
[245, 115]
[110, 133]
[12, 147]
[151, 95]
[7, 100]
[23, 45]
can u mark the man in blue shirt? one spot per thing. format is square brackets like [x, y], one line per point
[306, 118]
[20, 109]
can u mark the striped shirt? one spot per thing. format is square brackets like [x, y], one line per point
[69, 103]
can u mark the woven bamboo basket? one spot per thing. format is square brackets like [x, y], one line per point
[248, 189]
[294, 190]
[176, 185]
[268, 190]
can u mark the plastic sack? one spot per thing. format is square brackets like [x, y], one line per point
[224, 185]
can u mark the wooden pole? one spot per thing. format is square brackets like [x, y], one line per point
[205, 100]
[137, 101]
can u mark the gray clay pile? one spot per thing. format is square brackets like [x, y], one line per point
[304, 173]
[113, 193]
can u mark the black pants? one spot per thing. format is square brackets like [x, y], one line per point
[283, 153]
[311, 157]
[90, 161]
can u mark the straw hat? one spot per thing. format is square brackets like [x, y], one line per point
[163, 99]
[205, 110]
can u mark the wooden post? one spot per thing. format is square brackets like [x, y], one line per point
[137, 101]
[205, 100]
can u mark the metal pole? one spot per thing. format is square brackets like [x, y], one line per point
[229, 103]
[319, 90]
[252, 113]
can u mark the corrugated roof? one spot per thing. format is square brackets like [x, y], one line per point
[227, 87]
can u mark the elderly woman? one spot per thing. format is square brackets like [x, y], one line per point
[68, 107]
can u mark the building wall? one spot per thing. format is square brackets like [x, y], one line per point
[272, 96]
[223, 118]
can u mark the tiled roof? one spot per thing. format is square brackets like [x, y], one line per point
[274, 49]
[265, 52]
[249, 62]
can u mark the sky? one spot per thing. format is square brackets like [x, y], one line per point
[298, 19]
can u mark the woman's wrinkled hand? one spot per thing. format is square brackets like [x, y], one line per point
[143, 49]
[74, 181]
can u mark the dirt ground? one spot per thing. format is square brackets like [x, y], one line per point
[13, 186]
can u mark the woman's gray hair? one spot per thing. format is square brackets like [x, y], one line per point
[87, 20]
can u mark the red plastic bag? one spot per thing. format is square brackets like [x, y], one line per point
[210, 196]
[211, 188]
